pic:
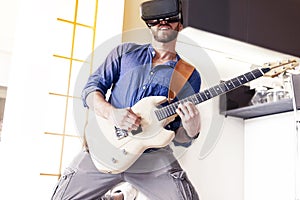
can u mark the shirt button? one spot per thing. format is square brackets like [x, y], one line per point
[144, 87]
[151, 73]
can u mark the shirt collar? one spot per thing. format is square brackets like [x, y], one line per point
[170, 63]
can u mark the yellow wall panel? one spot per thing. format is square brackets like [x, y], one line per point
[132, 18]
[134, 28]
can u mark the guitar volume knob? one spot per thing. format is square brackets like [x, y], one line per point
[124, 152]
[113, 160]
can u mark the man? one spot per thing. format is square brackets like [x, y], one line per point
[133, 72]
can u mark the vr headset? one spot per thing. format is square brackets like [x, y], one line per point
[160, 9]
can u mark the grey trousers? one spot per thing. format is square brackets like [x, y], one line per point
[81, 180]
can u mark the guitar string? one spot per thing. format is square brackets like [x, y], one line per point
[231, 84]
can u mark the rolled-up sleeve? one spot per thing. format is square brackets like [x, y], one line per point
[190, 88]
[105, 75]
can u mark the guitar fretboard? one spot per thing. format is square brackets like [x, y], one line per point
[209, 93]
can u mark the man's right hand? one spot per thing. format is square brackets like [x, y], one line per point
[125, 119]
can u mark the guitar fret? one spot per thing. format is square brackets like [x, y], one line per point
[235, 82]
[195, 99]
[176, 104]
[162, 114]
[172, 108]
[212, 92]
[191, 99]
[158, 115]
[218, 89]
[225, 86]
[240, 81]
[229, 85]
[207, 94]
[165, 111]
[249, 76]
[165, 114]
[203, 96]
[169, 110]
[257, 73]
[200, 97]
[232, 83]
[253, 75]
[243, 79]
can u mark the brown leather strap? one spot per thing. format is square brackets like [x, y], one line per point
[181, 74]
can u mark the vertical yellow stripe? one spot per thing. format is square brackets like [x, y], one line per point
[68, 89]
[94, 36]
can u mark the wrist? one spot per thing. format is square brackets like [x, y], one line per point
[195, 136]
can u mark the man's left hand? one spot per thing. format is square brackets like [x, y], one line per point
[190, 118]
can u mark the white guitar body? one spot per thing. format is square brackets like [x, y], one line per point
[111, 154]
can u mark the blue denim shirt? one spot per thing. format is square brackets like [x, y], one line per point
[128, 71]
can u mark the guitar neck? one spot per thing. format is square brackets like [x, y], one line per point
[209, 93]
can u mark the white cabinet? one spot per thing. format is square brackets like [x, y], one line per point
[270, 157]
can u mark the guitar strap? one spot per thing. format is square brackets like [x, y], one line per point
[180, 76]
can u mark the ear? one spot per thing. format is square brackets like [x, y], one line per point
[180, 26]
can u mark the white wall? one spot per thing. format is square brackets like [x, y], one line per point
[8, 13]
[219, 175]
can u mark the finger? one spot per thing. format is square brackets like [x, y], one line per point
[128, 126]
[183, 108]
[133, 118]
[179, 111]
[133, 124]
[192, 110]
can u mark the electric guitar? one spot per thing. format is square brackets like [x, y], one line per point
[114, 150]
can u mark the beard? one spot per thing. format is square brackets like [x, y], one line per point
[165, 36]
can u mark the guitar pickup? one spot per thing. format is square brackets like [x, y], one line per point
[121, 133]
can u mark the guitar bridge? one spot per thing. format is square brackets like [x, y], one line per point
[139, 130]
[121, 133]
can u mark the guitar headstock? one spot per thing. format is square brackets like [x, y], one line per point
[280, 67]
